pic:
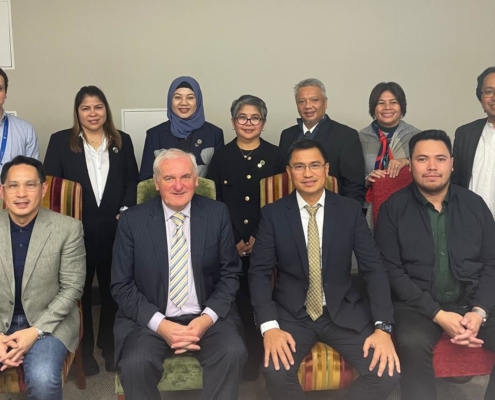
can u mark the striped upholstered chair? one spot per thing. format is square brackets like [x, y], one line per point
[323, 368]
[64, 197]
[181, 372]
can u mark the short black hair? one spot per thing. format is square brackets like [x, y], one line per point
[392, 87]
[19, 160]
[432, 134]
[5, 78]
[305, 144]
[481, 78]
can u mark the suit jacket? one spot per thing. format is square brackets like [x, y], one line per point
[140, 263]
[53, 278]
[204, 142]
[466, 141]
[120, 190]
[280, 242]
[344, 152]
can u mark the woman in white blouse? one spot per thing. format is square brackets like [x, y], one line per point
[101, 158]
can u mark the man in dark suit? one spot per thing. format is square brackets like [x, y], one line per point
[309, 236]
[341, 143]
[175, 275]
[475, 142]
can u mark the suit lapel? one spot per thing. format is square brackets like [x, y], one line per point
[293, 215]
[113, 171]
[6, 260]
[329, 228]
[79, 160]
[158, 235]
[323, 130]
[474, 139]
[198, 237]
[41, 232]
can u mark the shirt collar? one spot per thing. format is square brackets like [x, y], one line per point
[301, 203]
[3, 115]
[445, 201]
[169, 212]
[29, 227]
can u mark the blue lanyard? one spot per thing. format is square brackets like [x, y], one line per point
[4, 137]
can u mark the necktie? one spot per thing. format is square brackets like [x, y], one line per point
[178, 263]
[314, 297]
[306, 134]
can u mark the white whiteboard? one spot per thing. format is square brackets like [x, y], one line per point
[6, 42]
[137, 121]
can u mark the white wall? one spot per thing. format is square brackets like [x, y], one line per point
[133, 50]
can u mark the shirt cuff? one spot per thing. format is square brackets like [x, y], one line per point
[123, 208]
[268, 325]
[213, 315]
[155, 321]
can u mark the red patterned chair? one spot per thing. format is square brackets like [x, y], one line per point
[64, 197]
[449, 360]
[323, 368]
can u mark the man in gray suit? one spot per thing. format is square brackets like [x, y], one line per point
[175, 274]
[42, 273]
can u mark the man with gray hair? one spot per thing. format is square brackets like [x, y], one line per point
[175, 275]
[341, 143]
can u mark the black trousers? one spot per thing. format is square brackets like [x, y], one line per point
[222, 356]
[284, 385]
[252, 335]
[416, 337]
[107, 314]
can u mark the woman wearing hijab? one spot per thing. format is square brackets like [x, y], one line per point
[186, 128]
[101, 158]
[237, 169]
[386, 140]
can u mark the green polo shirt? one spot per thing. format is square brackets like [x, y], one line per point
[447, 288]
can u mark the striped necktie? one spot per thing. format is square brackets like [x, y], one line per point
[306, 134]
[178, 263]
[314, 297]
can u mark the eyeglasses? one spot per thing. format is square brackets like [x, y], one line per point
[13, 187]
[243, 120]
[300, 168]
[488, 92]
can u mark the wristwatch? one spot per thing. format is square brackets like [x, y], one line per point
[482, 313]
[41, 334]
[384, 326]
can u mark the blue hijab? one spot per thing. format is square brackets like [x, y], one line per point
[181, 128]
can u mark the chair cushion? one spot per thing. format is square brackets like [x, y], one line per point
[325, 369]
[450, 360]
[181, 372]
[146, 189]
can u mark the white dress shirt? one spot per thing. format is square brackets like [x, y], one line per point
[483, 176]
[320, 214]
[98, 164]
[191, 306]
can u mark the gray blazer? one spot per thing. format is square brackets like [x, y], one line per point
[53, 279]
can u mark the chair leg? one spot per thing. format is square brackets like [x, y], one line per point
[80, 376]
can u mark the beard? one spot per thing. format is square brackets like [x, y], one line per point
[433, 189]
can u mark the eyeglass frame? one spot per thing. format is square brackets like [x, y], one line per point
[248, 120]
[483, 92]
[314, 167]
[14, 190]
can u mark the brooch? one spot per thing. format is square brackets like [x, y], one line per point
[115, 150]
[261, 163]
[198, 142]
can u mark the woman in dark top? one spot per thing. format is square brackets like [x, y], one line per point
[186, 128]
[102, 160]
[237, 170]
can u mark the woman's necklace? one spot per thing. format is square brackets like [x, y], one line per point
[248, 155]
[94, 143]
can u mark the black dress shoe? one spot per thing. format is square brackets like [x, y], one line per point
[109, 366]
[90, 366]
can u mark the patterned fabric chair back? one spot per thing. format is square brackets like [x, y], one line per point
[146, 189]
[277, 186]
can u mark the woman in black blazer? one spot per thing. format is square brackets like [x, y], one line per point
[101, 158]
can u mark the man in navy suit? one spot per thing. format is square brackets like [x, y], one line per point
[309, 236]
[175, 274]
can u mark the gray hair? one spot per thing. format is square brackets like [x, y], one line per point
[172, 154]
[311, 82]
[249, 100]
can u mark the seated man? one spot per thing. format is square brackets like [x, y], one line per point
[175, 275]
[43, 268]
[309, 236]
[438, 244]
